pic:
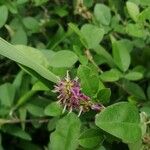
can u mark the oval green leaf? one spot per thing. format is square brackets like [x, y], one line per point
[121, 120]
[63, 58]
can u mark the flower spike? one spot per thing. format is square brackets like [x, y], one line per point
[72, 98]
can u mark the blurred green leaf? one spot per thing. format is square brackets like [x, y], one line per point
[16, 131]
[7, 94]
[102, 14]
[63, 58]
[135, 30]
[52, 124]
[35, 110]
[133, 10]
[57, 38]
[121, 55]
[144, 15]
[88, 31]
[135, 90]
[135, 146]
[110, 76]
[19, 37]
[39, 86]
[21, 1]
[102, 52]
[78, 32]
[65, 137]
[12, 6]
[145, 2]
[31, 23]
[88, 3]
[135, 1]
[22, 116]
[39, 2]
[3, 15]
[60, 11]
[133, 76]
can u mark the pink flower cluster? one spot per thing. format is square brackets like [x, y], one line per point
[71, 97]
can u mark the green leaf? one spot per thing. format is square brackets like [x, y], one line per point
[83, 59]
[135, 1]
[78, 32]
[28, 60]
[22, 1]
[12, 6]
[60, 11]
[53, 109]
[7, 94]
[31, 23]
[52, 123]
[145, 2]
[102, 14]
[136, 146]
[88, 31]
[135, 90]
[16, 131]
[19, 37]
[39, 86]
[35, 110]
[48, 54]
[18, 80]
[103, 53]
[88, 3]
[66, 134]
[144, 15]
[90, 138]
[63, 58]
[34, 54]
[57, 38]
[110, 76]
[39, 2]
[127, 43]
[121, 120]
[103, 95]
[121, 55]
[3, 15]
[136, 30]
[133, 10]
[22, 116]
[89, 81]
[133, 76]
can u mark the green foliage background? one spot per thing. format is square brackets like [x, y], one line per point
[106, 43]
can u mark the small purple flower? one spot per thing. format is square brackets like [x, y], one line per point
[71, 97]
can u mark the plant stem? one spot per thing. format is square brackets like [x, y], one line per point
[90, 58]
[14, 121]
